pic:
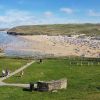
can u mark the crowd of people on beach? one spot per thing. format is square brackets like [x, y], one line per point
[95, 44]
[79, 44]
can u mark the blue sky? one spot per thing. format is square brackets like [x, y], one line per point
[32, 12]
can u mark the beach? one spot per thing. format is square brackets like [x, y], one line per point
[64, 45]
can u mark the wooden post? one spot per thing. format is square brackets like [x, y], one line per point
[70, 63]
[81, 63]
[91, 63]
[40, 60]
[88, 64]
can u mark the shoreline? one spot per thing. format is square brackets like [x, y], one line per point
[57, 47]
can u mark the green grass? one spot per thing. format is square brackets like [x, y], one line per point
[83, 80]
[57, 29]
[11, 64]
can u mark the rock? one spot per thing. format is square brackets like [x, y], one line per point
[54, 91]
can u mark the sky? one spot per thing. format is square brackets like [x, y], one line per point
[36, 12]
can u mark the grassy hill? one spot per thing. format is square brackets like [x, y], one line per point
[56, 29]
[3, 29]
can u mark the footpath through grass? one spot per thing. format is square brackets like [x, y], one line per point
[83, 80]
[11, 64]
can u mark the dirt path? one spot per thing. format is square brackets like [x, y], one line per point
[16, 85]
[13, 73]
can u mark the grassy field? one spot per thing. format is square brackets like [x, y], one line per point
[57, 29]
[11, 64]
[83, 80]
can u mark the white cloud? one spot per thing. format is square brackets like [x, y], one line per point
[48, 14]
[16, 17]
[93, 13]
[67, 10]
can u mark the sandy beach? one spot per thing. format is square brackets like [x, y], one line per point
[64, 46]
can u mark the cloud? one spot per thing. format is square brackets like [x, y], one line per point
[67, 10]
[93, 13]
[48, 14]
[16, 17]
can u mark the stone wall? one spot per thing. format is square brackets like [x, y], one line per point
[52, 85]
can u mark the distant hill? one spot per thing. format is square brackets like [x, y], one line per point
[3, 29]
[56, 29]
